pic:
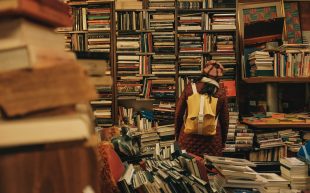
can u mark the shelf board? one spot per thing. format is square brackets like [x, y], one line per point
[253, 80]
[136, 98]
[208, 31]
[276, 125]
[208, 10]
[204, 53]
[136, 53]
[159, 10]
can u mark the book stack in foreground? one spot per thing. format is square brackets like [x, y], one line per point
[296, 172]
[37, 96]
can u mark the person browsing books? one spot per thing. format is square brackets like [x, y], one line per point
[204, 127]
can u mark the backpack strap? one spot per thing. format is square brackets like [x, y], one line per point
[194, 88]
[201, 113]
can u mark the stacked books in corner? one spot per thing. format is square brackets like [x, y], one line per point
[261, 64]
[296, 172]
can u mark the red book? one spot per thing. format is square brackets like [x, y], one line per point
[230, 87]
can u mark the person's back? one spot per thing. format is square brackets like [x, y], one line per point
[200, 144]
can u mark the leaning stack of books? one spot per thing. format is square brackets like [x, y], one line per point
[244, 138]
[292, 139]
[166, 134]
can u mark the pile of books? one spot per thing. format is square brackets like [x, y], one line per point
[296, 172]
[244, 138]
[98, 42]
[234, 173]
[98, 18]
[161, 4]
[267, 140]
[163, 42]
[163, 88]
[127, 65]
[292, 139]
[190, 64]
[166, 134]
[223, 43]
[103, 107]
[223, 21]
[191, 21]
[164, 112]
[261, 64]
[190, 43]
[128, 43]
[274, 183]
[161, 21]
[230, 144]
[178, 172]
[149, 139]
[163, 64]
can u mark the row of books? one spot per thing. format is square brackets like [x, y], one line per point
[92, 18]
[287, 63]
[181, 4]
[90, 42]
[203, 4]
[137, 20]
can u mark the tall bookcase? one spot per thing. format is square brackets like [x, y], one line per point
[174, 41]
[91, 38]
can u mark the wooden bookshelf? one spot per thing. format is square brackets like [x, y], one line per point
[267, 126]
[254, 80]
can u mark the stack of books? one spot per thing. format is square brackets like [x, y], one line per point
[98, 42]
[244, 138]
[190, 64]
[228, 60]
[191, 21]
[161, 21]
[292, 139]
[267, 140]
[163, 64]
[234, 173]
[164, 112]
[98, 18]
[274, 183]
[223, 21]
[161, 4]
[166, 134]
[261, 64]
[296, 172]
[127, 65]
[190, 43]
[128, 43]
[230, 145]
[149, 139]
[223, 43]
[128, 4]
[163, 88]
[163, 42]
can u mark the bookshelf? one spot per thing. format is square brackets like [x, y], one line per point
[91, 38]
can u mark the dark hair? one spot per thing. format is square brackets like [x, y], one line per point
[208, 89]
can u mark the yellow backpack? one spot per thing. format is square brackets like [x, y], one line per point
[201, 114]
